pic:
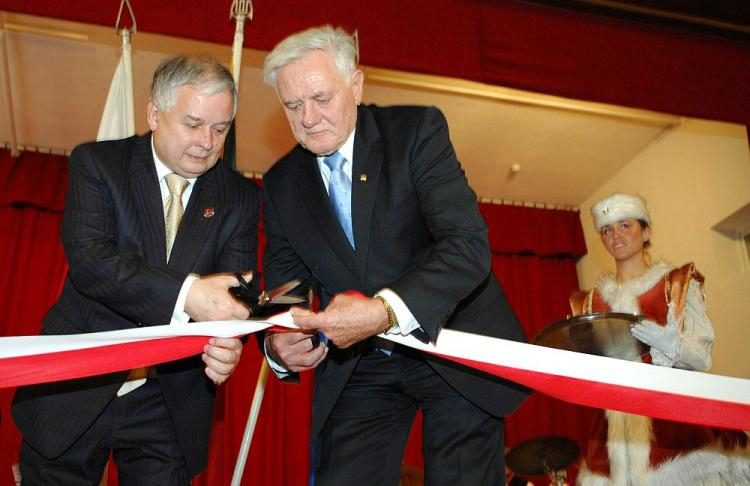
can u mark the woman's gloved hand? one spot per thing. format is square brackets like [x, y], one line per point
[665, 339]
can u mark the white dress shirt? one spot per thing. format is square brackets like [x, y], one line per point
[179, 316]
[406, 321]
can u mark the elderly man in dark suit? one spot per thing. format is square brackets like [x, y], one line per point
[374, 200]
[149, 222]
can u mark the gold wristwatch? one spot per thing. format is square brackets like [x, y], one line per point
[392, 319]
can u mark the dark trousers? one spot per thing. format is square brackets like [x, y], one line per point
[136, 428]
[363, 440]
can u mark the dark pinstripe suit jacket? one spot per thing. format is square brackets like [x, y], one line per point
[113, 234]
[418, 231]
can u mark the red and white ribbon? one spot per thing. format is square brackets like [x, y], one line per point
[595, 381]
[28, 360]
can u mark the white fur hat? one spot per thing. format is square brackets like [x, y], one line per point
[618, 207]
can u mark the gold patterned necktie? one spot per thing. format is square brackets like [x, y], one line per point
[173, 209]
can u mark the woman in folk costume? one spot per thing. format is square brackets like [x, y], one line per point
[632, 450]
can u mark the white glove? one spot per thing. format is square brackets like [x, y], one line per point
[665, 339]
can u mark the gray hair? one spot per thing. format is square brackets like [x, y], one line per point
[203, 73]
[341, 46]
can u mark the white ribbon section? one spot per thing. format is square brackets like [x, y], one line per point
[583, 366]
[522, 357]
[17, 346]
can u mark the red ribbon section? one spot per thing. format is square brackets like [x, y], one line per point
[658, 404]
[78, 363]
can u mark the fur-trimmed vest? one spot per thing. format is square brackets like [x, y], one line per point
[649, 295]
[632, 450]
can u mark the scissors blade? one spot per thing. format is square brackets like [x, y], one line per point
[272, 296]
[287, 299]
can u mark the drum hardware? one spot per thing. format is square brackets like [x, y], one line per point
[547, 455]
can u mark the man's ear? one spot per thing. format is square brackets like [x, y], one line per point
[152, 115]
[358, 79]
[646, 234]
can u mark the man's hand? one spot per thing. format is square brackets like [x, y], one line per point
[346, 321]
[294, 350]
[221, 356]
[209, 298]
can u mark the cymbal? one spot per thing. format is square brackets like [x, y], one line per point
[542, 455]
[603, 334]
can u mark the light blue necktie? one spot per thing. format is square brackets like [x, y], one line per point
[340, 193]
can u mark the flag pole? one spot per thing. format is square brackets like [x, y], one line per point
[118, 118]
[252, 419]
[241, 10]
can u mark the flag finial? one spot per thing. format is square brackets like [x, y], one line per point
[132, 29]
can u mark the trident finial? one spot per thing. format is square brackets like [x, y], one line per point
[241, 9]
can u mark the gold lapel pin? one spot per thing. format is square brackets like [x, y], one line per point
[363, 178]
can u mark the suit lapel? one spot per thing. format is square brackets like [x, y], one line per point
[147, 195]
[315, 197]
[368, 160]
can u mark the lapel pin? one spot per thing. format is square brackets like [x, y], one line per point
[363, 178]
[208, 212]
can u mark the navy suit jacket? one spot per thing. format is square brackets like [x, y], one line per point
[114, 239]
[418, 231]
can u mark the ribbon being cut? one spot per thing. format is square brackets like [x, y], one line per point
[594, 381]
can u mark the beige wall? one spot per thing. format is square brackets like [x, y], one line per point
[692, 178]
[59, 73]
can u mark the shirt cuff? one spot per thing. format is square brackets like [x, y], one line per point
[277, 368]
[406, 321]
[179, 316]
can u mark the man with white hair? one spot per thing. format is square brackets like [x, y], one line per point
[374, 200]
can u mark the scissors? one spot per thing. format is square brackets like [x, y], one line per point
[272, 301]
[268, 302]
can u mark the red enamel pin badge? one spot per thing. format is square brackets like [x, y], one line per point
[208, 212]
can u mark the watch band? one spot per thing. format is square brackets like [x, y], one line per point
[392, 319]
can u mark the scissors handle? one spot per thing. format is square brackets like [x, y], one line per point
[244, 292]
[315, 340]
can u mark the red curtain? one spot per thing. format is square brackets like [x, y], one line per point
[504, 42]
[32, 189]
[534, 254]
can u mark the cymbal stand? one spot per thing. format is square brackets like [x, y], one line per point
[557, 476]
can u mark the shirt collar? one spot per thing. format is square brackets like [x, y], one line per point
[347, 150]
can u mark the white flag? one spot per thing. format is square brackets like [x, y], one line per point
[118, 119]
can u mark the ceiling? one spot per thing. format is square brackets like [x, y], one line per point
[58, 74]
[562, 150]
[725, 18]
